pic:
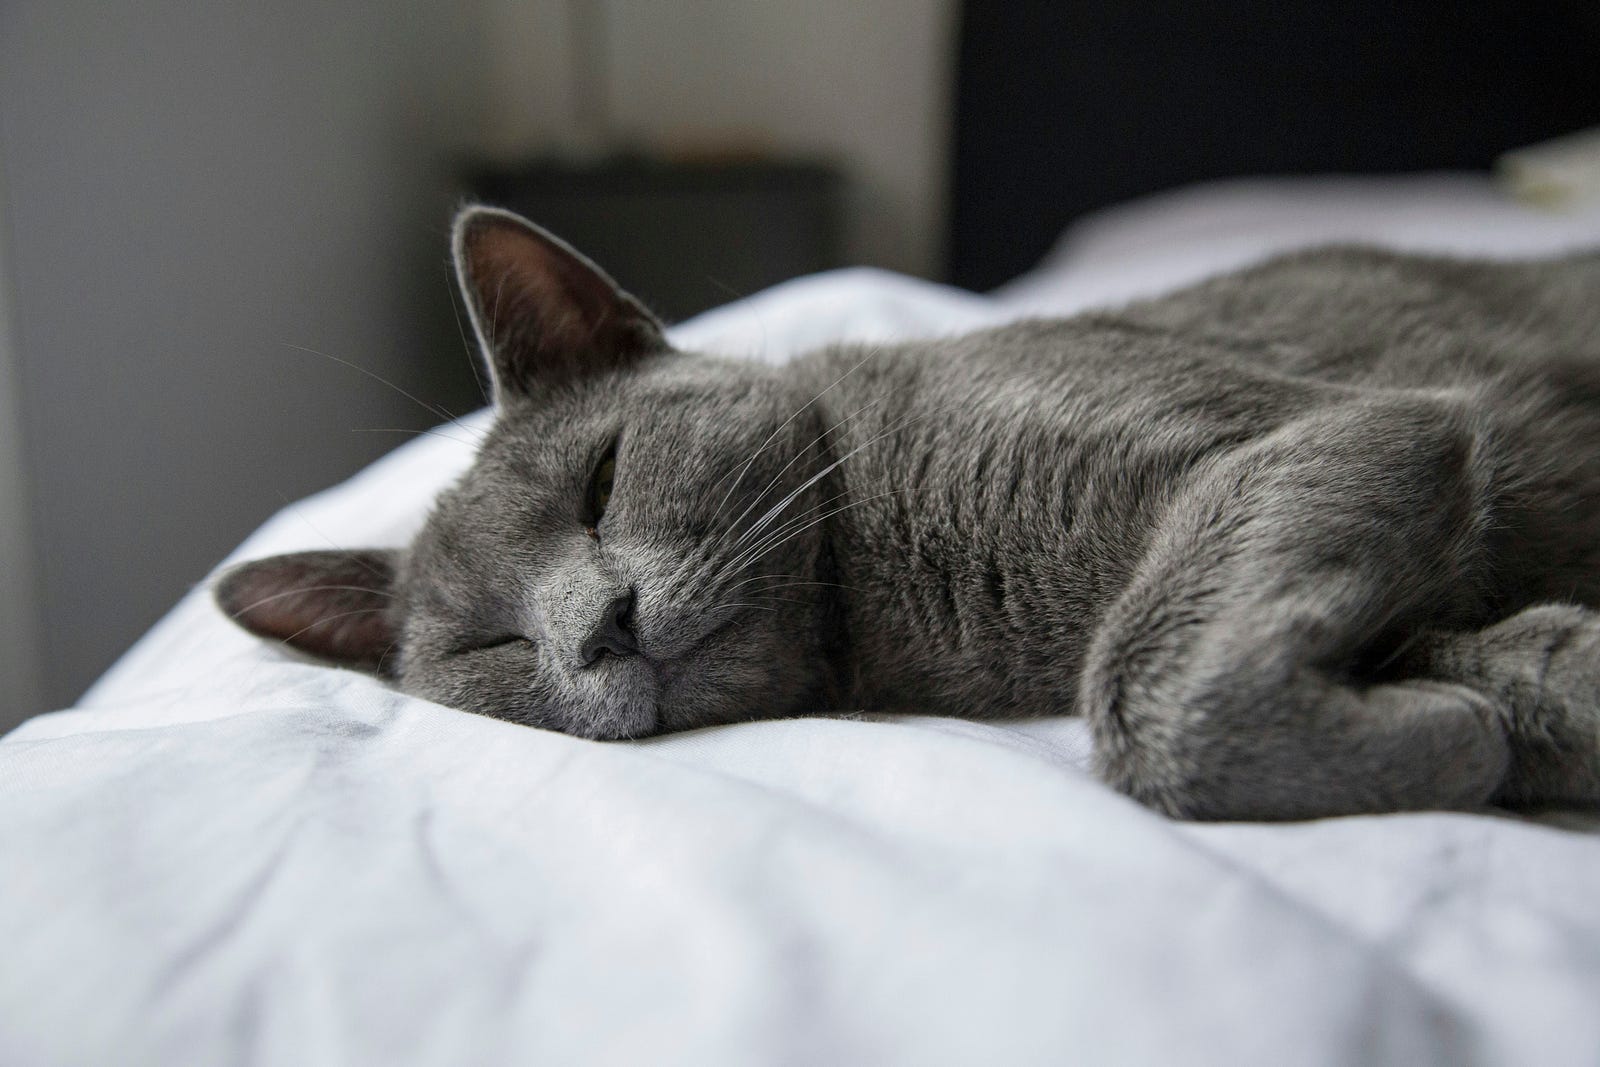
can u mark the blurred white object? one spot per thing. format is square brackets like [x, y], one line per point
[1562, 173]
[1170, 239]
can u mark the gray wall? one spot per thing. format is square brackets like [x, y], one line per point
[867, 84]
[20, 674]
[191, 188]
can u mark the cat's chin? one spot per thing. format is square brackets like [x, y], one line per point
[633, 690]
[635, 725]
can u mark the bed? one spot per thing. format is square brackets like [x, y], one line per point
[225, 854]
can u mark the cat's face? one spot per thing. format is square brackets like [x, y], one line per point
[588, 573]
[607, 566]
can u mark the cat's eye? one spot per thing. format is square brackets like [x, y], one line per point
[492, 643]
[600, 490]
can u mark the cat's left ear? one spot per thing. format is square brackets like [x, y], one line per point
[335, 605]
[544, 314]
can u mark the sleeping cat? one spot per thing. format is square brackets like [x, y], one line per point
[1319, 537]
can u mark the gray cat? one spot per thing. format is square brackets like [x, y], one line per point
[1319, 537]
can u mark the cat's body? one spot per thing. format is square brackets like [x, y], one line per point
[1260, 532]
[1022, 472]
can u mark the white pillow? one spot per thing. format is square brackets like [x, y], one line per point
[1160, 242]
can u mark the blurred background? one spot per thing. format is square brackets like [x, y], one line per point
[221, 224]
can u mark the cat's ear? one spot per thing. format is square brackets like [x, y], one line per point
[333, 605]
[544, 314]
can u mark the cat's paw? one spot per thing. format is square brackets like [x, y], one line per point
[1542, 667]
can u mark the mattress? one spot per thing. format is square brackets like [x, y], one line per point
[226, 854]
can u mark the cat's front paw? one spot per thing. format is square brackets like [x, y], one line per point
[1542, 667]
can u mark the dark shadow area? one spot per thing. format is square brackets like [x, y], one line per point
[1065, 108]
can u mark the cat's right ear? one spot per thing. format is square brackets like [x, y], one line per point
[544, 314]
[336, 605]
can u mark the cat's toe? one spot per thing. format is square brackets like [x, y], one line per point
[1542, 666]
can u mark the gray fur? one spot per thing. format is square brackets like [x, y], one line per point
[1319, 537]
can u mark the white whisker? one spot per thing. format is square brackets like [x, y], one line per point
[432, 409]
[899, 425]
[354, 558]
[437, 432]
[799, 525]
[466, 346]
[776, 478]
[330, 618]
[763, 447]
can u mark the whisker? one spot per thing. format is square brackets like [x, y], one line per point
[899, 425]
[331, 618]
[791, 585]
[494, 316]
[765, 577]
[307, 589]
[730, 291]
[799, 525]
[763, 549]
[290, 507]
[432, 409]
[763, 447]
[472, 356]
[785, 468]
[813, 510]
[383, 657]
[436, 432]
[599, 323]
[756, 527]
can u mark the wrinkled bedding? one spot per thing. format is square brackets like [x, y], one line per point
[225, 854]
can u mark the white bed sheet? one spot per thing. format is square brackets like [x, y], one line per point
[225, 855]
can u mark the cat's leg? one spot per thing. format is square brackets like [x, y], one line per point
[1227, 680]
[1541, 667]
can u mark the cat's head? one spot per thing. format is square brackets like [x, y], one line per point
[607, 567]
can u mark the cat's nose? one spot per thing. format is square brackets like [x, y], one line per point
[613, 633]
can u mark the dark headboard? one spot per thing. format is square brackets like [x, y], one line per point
[1064, 106]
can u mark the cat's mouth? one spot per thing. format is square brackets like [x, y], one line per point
[638, 690]
[632, 699]
[670, 669]
[722, 678]
[681, 679]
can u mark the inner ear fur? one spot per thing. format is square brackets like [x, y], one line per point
[335, 605]
[544, 314]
